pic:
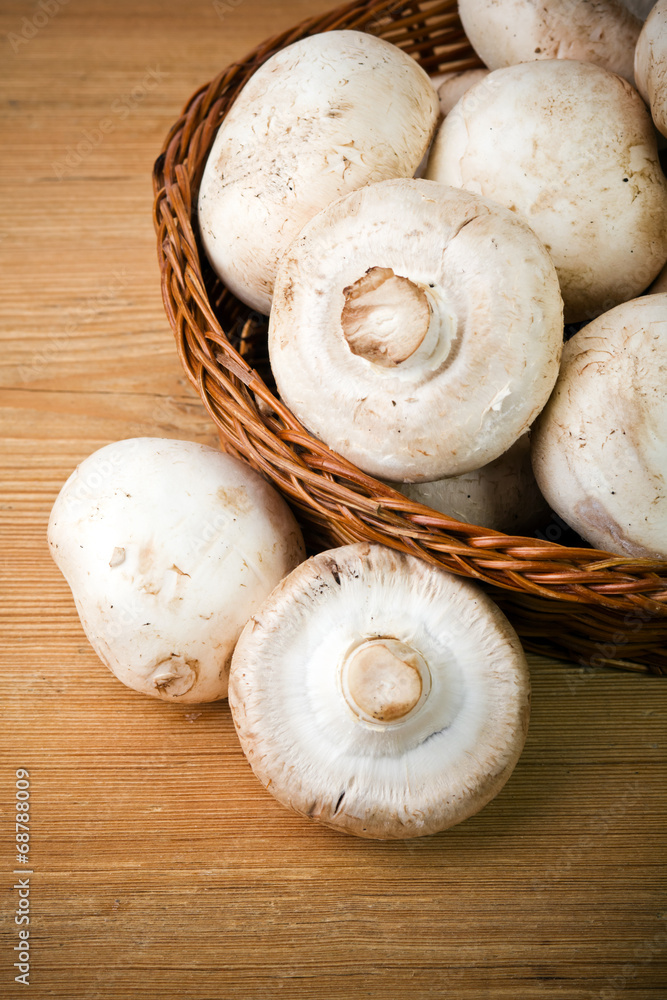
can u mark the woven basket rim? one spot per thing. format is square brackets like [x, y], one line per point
[330, 493]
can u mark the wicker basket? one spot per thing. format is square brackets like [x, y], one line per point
[567, 601]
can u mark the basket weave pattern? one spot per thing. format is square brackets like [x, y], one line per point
[579, 603]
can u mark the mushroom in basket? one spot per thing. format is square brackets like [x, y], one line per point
[600, 445]
[416, 329]
[569, 147]
[320, 118]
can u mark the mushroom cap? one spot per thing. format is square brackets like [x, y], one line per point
[329, 714]
[571, 148]
[599, 447]
[168, 546]
[603, 32]
[502, 495]
[321, 117]
[345, 344]
[651, 64]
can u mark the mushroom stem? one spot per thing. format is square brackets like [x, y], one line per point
[385, 317]
[384, 680]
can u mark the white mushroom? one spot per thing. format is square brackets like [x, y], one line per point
[600, 445]
[515, 31]
[454, 86]
[379, 695]
[502, 495]
[168, 547]
[651, 64]
[321, 117]
[571, 148]
[416, 329]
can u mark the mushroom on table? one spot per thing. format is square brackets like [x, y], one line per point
[168, 546]
[380, 695]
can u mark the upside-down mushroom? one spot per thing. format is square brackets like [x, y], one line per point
[380, 695]
[416, 329]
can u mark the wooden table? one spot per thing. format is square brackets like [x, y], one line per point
[159, 866]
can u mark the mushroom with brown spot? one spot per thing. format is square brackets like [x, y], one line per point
[604, 32]
[168, 546]
[600, 445]
[380, 695]
[321, 117]
[570, 147]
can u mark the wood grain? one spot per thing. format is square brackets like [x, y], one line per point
[161, 867]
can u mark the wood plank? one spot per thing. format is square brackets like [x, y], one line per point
[161, 867]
